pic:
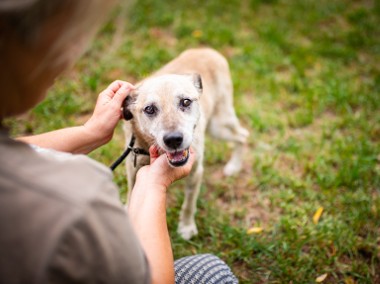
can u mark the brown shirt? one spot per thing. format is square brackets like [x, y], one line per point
[61, 221]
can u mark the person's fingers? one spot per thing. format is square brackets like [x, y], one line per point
[186, 169]
[122, 93]
[115, 87]
[177, 173]
[153, 152]
[112, 89]
[192, 158]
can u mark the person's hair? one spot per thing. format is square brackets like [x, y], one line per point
[23, 19]
[25, 16]
[72, 23]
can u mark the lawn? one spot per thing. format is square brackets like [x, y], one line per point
[306, 207]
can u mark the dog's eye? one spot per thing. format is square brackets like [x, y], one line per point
[150, 110]
[185, 103]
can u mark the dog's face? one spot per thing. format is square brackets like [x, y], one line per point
[165, 110]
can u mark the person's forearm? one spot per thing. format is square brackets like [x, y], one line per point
[97, 131]
[147, 211]
[76, 140]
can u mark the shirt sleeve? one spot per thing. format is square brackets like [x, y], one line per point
[98, 246]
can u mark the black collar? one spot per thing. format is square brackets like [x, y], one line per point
[136, 151]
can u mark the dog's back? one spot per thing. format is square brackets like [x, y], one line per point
[214, 71]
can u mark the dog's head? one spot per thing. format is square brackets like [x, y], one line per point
[165, 110]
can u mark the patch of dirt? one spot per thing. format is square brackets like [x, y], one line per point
[289, 165]
[239, 196]
[164, 36]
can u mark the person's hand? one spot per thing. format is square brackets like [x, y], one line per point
[159, 174]
[147, 211]
[107, 110]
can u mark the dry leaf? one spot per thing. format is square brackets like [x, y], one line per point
[254, 230]
[317, 215]
[349, 280]
[197, 33]
[321, 278]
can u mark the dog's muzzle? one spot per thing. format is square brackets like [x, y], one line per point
[174, 141]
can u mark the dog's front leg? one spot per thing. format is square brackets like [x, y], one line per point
[131, 176]
[132, 169]
[187, 227]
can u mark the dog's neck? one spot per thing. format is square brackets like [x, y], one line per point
[142, 141]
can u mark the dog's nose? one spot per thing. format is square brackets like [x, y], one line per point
[173, 140]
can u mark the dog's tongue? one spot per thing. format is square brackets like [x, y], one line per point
[178, 158]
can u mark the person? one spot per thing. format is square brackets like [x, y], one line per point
[61, 220]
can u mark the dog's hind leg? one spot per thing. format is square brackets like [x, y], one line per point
[187, 227]
[235, 163]
[225, 125]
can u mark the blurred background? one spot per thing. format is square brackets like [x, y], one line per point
[306, 207]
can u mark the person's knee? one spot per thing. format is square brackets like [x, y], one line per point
[205, 268]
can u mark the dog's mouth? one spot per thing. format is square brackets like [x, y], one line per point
[178, 158]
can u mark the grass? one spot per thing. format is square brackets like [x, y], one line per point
[307, 86]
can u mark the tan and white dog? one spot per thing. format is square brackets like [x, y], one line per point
[174, 108]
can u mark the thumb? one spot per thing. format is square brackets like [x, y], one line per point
[153, 152]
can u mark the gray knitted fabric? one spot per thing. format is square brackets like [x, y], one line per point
[203, 269]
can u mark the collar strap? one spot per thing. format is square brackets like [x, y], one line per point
[136, 151]
[139, 151]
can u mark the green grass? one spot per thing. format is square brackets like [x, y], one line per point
[307, 85]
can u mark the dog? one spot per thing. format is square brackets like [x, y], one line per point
[173, 109]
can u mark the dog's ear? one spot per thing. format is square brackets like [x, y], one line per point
[127, 114]
[197, 80]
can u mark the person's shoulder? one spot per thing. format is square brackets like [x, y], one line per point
[62, 177]
[77, 178]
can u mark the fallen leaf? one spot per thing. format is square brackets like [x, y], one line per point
[349, 280]
[321, 278]
[254, 230]
[332, 250]
[197, 33]
[317, 215]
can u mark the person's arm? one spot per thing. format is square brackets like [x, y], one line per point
[147, 211]
[97, 131]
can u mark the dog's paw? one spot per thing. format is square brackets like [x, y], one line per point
[187, 231]
[232, 168]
